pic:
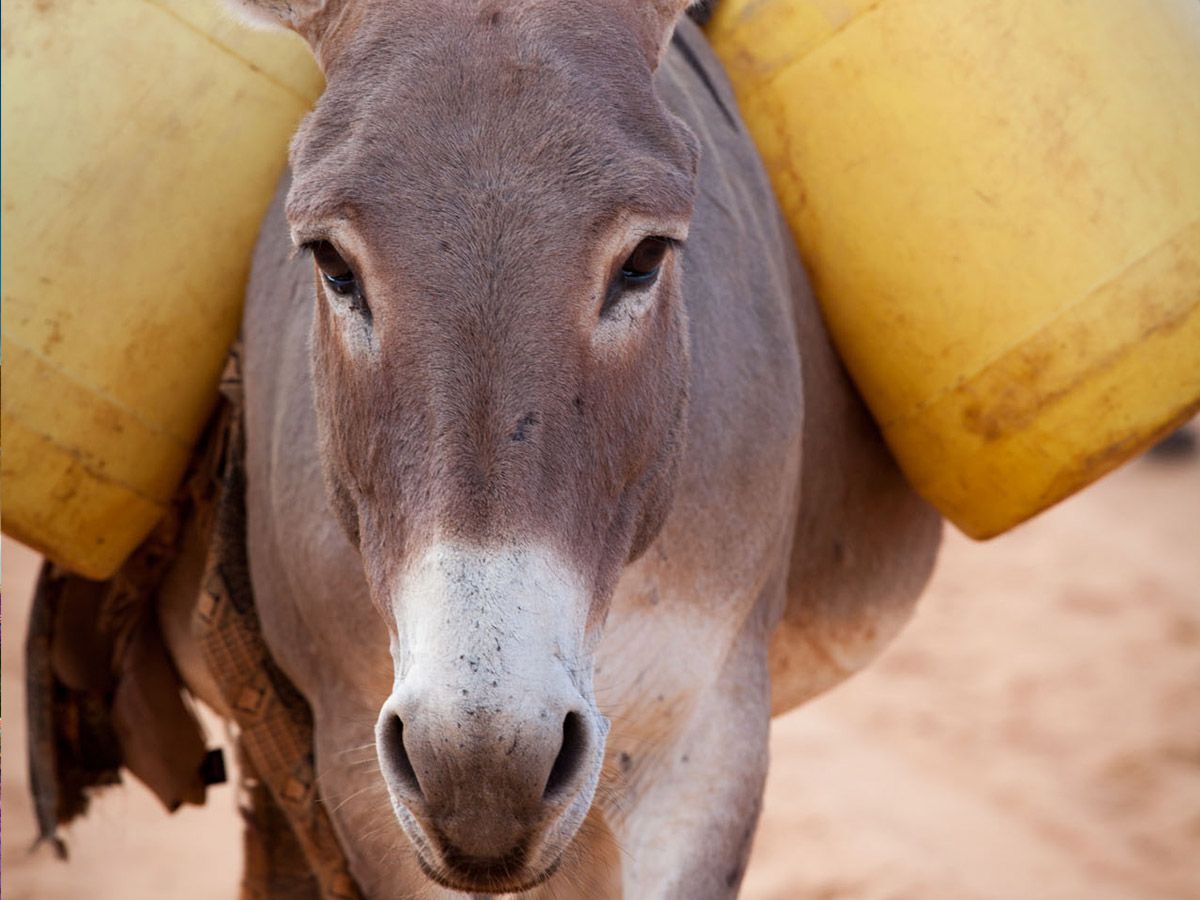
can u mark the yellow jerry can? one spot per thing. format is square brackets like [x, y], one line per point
[142, 140]
[999, 204]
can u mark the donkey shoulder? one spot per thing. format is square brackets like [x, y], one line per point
[864, 543]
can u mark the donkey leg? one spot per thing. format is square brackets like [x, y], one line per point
[690, 832]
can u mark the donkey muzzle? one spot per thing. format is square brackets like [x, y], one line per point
[490, 743]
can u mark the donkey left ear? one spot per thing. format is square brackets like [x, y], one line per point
[654, 23]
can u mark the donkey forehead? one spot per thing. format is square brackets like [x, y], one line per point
[445, 120]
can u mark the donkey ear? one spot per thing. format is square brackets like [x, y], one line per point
[308, 18]
[654, 23]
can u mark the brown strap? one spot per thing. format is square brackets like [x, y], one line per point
[275, 721]
[275, 864]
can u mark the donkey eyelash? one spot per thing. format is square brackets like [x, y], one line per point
[673, 243]
[306, 248]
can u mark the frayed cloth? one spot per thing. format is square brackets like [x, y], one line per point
[102, 692]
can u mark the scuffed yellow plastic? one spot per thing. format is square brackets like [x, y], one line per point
[141, 142]
[999, 204]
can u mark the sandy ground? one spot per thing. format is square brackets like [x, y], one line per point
[1034, 733]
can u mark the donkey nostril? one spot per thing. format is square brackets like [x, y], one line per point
[569, 759]
[395, 757]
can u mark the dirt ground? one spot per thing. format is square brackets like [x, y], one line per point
[1034, 733]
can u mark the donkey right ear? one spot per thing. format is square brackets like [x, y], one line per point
[653, 23]
[311, 19]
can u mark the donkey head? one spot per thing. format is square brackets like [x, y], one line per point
[494, 199]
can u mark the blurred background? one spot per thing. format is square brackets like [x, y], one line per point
[1033, 733]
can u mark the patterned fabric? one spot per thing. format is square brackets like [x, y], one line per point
[274, 721]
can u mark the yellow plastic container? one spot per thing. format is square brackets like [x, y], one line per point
[142, 140]
[999, 203]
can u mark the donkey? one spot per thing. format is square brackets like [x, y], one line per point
[556, 489]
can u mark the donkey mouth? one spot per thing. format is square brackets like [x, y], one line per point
[507, 874]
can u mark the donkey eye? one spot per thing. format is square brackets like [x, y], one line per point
[334, 270]
[642, 265]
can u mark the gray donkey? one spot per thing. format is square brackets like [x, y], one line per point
[556, 489]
